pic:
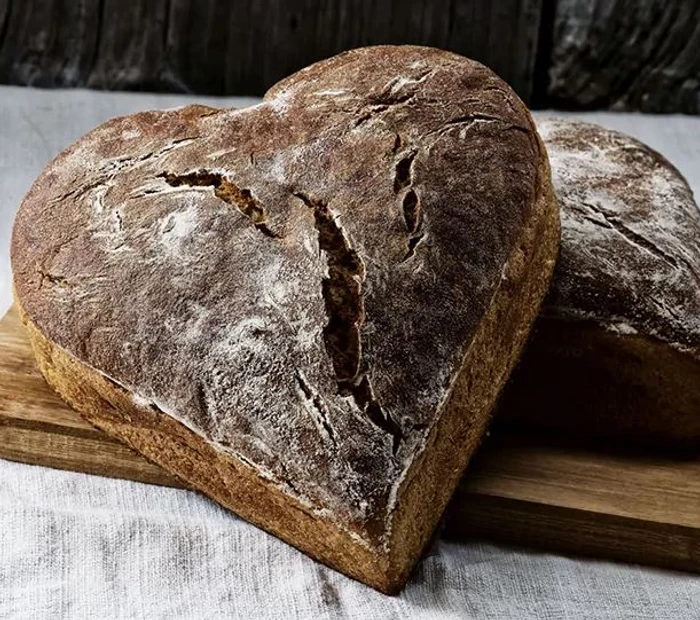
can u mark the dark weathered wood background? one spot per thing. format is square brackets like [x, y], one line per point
[642, 55]
[569, 53]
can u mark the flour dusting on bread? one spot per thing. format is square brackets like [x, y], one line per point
[630, 257]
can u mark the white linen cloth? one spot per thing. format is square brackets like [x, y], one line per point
[79, 546]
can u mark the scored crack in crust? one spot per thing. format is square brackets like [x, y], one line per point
[342, 294]
[282, 301]
[224, 189]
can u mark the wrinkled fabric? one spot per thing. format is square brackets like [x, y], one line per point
[79, 546]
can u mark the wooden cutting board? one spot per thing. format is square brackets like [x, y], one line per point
[520, 490]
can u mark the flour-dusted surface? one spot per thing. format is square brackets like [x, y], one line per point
[133, 550]
[630, 252]
[298, 281]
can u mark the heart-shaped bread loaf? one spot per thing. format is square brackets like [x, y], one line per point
[305, 309]
[616, 350]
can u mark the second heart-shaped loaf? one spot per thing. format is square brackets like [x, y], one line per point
[305, 309]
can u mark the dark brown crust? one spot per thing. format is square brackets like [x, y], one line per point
[185, 454]
[442, 189]
[615, 354]
[630, 252]
[629, 392]
[502, 335]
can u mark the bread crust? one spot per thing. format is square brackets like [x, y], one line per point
[615, 354]
[433, 266]
[630, 392]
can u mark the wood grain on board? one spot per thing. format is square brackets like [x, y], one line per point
[518, 490]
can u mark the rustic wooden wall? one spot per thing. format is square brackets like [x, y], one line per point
[642, 55]
[568, 53]
[243, 46]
